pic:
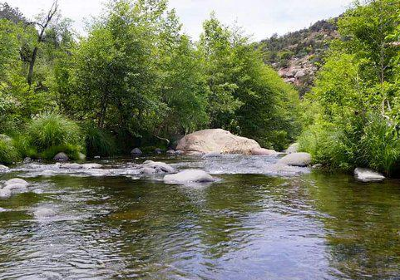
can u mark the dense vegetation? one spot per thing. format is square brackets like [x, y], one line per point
[135, 80]
[353, 111]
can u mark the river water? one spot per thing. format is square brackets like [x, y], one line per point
[255, 222]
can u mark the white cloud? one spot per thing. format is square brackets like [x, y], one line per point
[261, 18]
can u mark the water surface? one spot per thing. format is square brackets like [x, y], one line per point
[256, 222]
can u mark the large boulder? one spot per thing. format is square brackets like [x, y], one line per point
[367, 175]
[217, 141]
[296, 159]
[189, 176]
[61, 157]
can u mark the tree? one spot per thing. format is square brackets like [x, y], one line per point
[43, 25]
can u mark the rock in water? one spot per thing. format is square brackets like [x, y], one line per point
[367, 175]
[263, 152]
[294, 148]
[189, 176]
[16, 181]
[136, 152]
[61, 157]
[5, 193]
[296, 159]
[43, 213]
[151, 167]
[3, 168]
[217, 141]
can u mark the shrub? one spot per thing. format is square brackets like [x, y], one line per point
[8, 153]
[364, 141]
[51, 132]
[99, 142]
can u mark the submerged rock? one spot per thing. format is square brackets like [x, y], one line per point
[217, 141]
[296, 159]
[212, 155]
[80, 166]
[367, 175]
[189, 176]
[42, 213]
[263, 152]
[136, 152]
[61, 157]
[294, 148]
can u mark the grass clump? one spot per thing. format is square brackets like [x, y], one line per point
[368, 141]
[50, 134]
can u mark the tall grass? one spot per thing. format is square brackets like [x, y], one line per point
[364, 141]
[99, 142]
[50, 134]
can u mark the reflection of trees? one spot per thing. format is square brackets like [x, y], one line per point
[363, 225]
[179, 229]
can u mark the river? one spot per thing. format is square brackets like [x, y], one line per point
[253, 223]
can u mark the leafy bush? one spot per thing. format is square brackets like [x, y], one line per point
[99, 142]
[52, 132]
[8, 153]
[368, 141]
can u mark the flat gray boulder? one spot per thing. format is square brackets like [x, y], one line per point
[296, 159]
[189, 176]
[216, 141]
[367, 175]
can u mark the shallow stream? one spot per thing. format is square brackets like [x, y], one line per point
[256, 222]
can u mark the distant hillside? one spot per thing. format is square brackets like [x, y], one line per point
[298, 55]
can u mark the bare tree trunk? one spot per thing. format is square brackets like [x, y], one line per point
[43, 26]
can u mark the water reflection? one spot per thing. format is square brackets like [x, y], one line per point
[243, 227]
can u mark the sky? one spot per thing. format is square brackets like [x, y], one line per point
[258, 18]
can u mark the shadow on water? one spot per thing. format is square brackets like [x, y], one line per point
[314, 226]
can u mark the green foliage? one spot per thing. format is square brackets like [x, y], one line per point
[355, 99]
[8, 153]
[99, 142]
[51, 131]
[138, 77]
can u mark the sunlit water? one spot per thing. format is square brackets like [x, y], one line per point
[256, 222]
